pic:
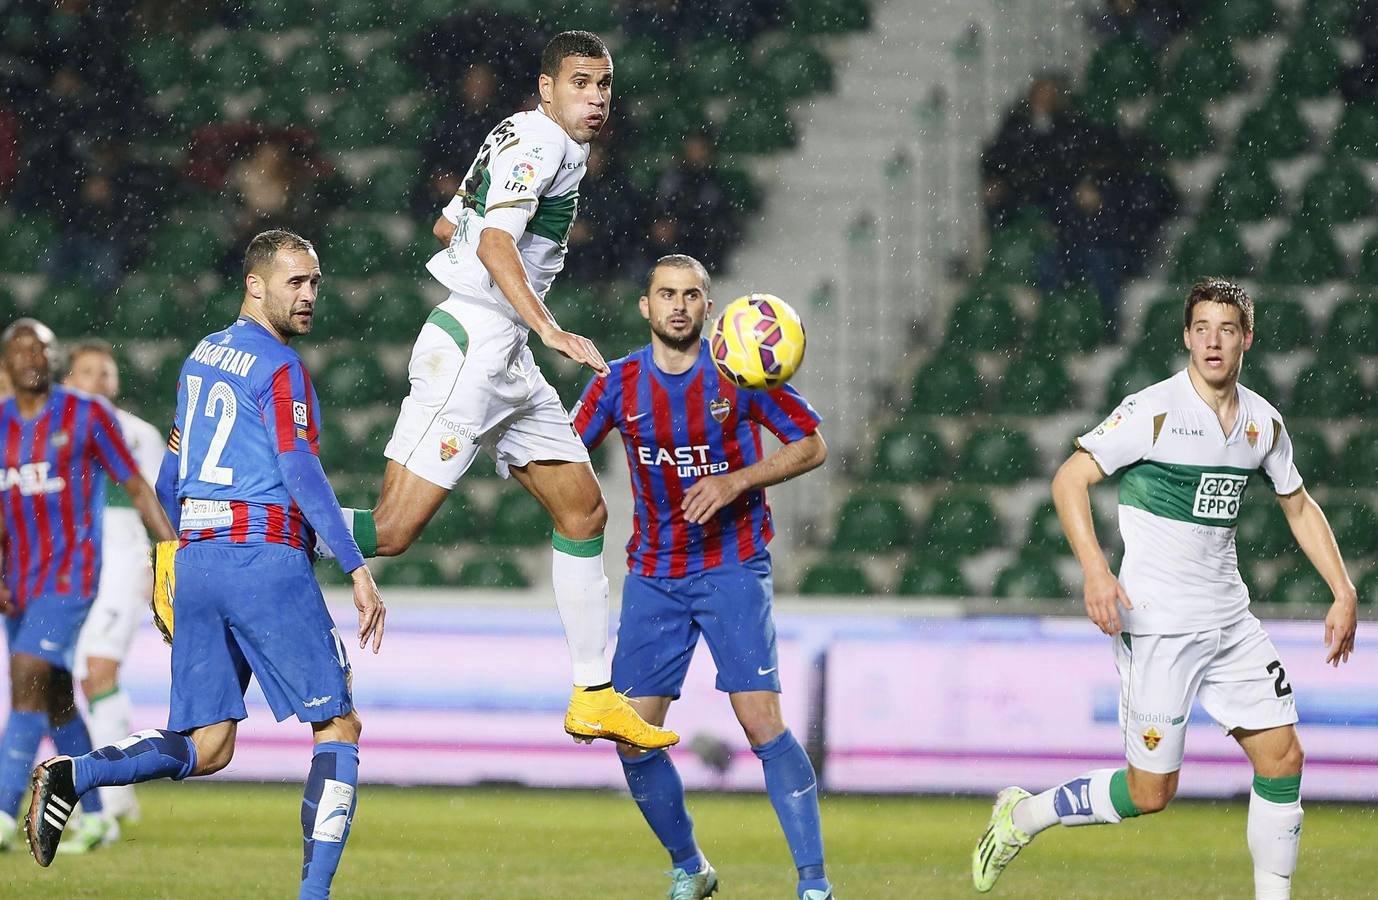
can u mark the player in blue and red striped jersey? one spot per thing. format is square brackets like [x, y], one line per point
[242, 463]
[56, 447]
[698, 562]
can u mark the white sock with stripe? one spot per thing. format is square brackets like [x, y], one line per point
[581, 596]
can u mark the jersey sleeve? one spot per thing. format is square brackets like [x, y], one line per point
[520, 173]
[592, 415]
[1278, 465]
[290, 409]
[785, 412]
[107, 445]
[1125, 437]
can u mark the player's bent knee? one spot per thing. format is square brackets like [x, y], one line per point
[345, 729]
[586, 523]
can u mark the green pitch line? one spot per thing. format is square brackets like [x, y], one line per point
[229, 841]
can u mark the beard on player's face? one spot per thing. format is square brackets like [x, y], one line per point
[680, 336]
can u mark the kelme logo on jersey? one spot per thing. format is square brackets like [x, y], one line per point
[1218, 495]
[718, 408]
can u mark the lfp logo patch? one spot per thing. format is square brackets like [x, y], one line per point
[523, 173]
[1218, 495]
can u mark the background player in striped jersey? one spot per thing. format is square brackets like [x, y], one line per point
[698, 561]
[243, 464]
[126, 574]
[56, 445]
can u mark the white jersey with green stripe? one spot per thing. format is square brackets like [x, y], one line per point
[525, 181]
[1182, 488]
[122, 530]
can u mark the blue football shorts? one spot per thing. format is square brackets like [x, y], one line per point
[662, 618]
[257, 609]
[48, 627]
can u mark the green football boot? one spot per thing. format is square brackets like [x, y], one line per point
[695, 886]
[1001, 843]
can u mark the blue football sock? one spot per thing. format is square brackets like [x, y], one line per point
[327, 809]
[74, 740]
[142, 756]
[18, 748]
[793, 790]
[659, 792]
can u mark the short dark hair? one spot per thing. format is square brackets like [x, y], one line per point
[27, 323]
[571, 43]
[88, 345]
[679, 261]
[1220, 290]
[265, 246]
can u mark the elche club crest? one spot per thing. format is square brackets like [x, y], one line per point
[719, 408]
[449, 447]
[1251, 433]
[1152, 737]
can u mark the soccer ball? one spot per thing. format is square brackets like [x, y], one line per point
[758, 342]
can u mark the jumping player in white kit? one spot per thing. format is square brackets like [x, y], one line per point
[475, 384]
[1185, 449]
[126, 575]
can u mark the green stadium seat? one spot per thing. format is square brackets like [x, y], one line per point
[743, 196]
[1133, 375]
[641, 68]
[1309, 70]
[1246, 19]
[1367, 273]
[319, 67]
[1162, 335]
[1045, 536]
[949, 384]
[354, 125]
[909, 454]
[1259, 377]
[997, 455]
[1179, 127]
[1368, 588]
[1329, 388]
[460, 519]
[238, 65]
[1066, 322]
[387, 188]
[274, 15]
[961, 524]
[352, 381]
[1016, 249]
[756, 126]
[9, 305]
[1246, 192]
[490, 572]
[1036, 579]
[183, 248]
[384, 76]
[1035, 386]
[519, 520]
[1336, 194]
[362, 15]
[1212, 248]
[871, 523]
[410, 571]
[713, 68]
[1311, 453]
[1359, 461]
[163, 63]
[1121, 70]
[73, 308]
[1274, 130]
[932, 576]
[1356, 527]
[357, 250]
[394, 312]
[1263, 530]
[1353, 326]
[797, 69]
[337, 450]
[1328, 18]
[284, 103]
[1281, 325]
[25, 244]
[1190, 79]
[984, 320]
[1305, 255]
[1300, 584]
[1356, 135]
[666, 122]
[839, 578]
[831, 16]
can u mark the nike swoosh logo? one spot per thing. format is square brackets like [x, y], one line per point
[760, 671]
[804, 791]
[637, 416]
[50, 646]
[594, 726]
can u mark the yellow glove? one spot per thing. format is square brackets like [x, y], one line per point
[164, 586]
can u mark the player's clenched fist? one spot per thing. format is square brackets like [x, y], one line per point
[575, 347]
[369, 603]
[1103, 593]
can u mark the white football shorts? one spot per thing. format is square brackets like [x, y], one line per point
[122, 597]
[475, 385]
[1235, 671]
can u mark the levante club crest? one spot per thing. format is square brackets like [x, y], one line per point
[718, 408]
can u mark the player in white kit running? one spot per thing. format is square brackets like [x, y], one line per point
[1185, 448]
[126, 575]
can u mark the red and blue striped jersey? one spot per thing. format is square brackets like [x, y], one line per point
[677, 429]
[243, 397]
[52, 492]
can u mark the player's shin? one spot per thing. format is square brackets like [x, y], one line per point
[1274, 832]
[659, 793]
[1100, 797]
[793, 789]
[23, 732]
[581, 596]
[143, 756]
[327, 809]
[72, 739]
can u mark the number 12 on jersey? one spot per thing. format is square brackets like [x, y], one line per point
[221, 406]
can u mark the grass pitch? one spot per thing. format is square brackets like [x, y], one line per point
[230, 840]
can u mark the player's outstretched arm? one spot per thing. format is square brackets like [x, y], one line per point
[498, 253]
[1072, 496]
[1316, 539]
[709, 495]
[444, 231]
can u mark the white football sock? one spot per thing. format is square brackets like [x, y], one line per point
[108, 721]
[1274, 838]
[1036, 813]
[1085, 800]
[581, 596]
